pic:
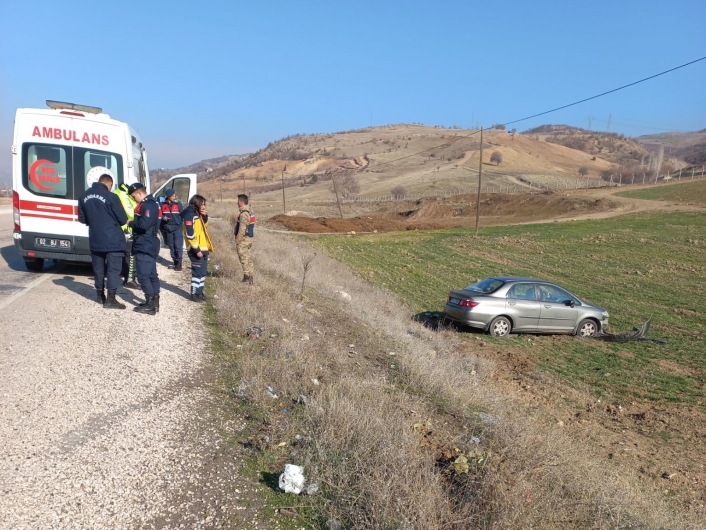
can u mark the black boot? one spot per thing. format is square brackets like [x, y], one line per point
[112, 303]
[177, 265]
[197, 298]
[156, 303]
[100, 296]
[173, 265]
[131, 284]
[148, 307]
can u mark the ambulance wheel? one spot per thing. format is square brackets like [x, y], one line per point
[35, 264]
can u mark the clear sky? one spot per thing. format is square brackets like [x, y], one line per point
[215, 77]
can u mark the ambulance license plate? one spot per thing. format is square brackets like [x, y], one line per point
[47, 242]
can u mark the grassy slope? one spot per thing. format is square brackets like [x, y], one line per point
[689, 191]
[636, 267]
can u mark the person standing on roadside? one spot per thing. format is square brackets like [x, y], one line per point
[198, 244]
[171, 228]
[129, 204]
[102, 212]
[244, 232]
[145, 246]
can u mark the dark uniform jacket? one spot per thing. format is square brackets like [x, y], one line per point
[102, 211]
[144, 228]
[171, 216]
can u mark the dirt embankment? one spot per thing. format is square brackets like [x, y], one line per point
[451, 212]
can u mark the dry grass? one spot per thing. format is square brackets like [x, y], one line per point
[357, 430]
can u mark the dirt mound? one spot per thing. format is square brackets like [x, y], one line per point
[457, 211]
[324, 225]
[434, 210]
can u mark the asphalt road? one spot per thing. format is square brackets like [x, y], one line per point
[106, 417]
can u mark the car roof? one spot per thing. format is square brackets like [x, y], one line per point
[510, 279]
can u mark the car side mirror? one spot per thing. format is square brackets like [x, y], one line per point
[570, 303]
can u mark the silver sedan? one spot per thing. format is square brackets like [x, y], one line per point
[524, 305]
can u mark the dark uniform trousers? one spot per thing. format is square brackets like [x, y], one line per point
[146, 269]
[198, 271]
[107, 265]
[175, 241]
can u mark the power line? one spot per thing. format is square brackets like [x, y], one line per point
[608, 92]
[382, 164]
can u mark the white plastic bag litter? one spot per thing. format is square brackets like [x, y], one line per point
[292, 480]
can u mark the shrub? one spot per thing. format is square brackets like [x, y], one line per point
[496, 157]
[398, 191]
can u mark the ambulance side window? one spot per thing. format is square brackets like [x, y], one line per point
[45, 169]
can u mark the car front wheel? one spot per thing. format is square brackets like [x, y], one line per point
[500, 327]
[587, 328]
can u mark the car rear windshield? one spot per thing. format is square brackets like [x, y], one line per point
[489, 285]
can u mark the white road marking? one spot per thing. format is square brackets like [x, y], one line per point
[24, 290]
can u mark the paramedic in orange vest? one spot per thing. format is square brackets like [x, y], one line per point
[171, 228]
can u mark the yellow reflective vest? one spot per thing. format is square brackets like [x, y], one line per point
[128, 205]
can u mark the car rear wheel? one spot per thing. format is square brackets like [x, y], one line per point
[587, 328]
[34, 265]
[500, 327]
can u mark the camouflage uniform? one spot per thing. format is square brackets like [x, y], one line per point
[243, 243]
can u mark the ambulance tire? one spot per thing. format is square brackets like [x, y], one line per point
[34, 265]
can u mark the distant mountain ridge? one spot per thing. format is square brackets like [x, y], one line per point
[689, 146]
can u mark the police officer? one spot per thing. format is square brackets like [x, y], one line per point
[243, 238]
[128, 270]
[145, 246]
[102, 212]
[171, 228]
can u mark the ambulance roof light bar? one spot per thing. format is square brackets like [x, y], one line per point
[73, 106]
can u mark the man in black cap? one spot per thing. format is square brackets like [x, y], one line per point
[171, 228]
[145, 246]
[102, 212]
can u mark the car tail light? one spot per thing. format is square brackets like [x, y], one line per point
[468, 303]
[16, 210]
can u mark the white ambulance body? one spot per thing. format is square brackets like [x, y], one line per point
[53, 151]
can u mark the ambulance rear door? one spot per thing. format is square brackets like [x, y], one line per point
[56, 154]
[184, 186]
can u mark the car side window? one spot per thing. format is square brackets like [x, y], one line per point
[522, 291]
[550, 293]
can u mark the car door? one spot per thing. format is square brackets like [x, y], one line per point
[522, 305]
[556, 314]
[184, 186]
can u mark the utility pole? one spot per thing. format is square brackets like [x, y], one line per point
[609, 117]
[284, 200]
[335, 189]
[480, 178]
[590, 122]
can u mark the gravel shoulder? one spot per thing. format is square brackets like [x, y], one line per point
[107, 418]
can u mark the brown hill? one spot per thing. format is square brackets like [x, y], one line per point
[421, 159]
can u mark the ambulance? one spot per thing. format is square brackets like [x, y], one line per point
[53, 153]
